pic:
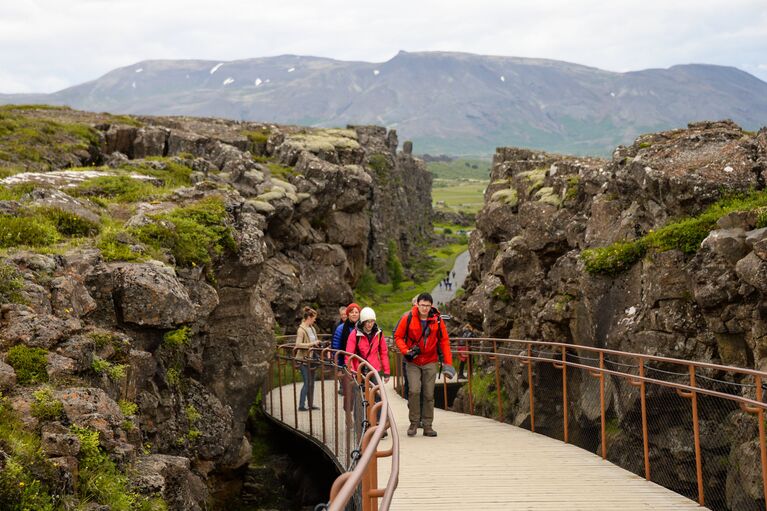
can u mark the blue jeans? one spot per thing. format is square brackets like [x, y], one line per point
[307, 391]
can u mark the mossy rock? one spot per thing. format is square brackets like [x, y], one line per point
[326, 140]
[262, 206]
[547, 196]
[534, 178]
[288, 187]
[272, 195]
[508, 196]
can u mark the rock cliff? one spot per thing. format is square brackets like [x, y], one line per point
[659, 250]
[154, 262]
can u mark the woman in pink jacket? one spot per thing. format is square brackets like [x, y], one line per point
[367, 341]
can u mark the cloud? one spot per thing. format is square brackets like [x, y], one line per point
[56, 44]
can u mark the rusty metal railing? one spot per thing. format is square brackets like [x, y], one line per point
[351, 426]
[716, 390]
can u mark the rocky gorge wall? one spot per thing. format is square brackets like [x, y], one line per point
[661, 251]
[153, 324]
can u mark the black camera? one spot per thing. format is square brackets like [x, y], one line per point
[412, 353]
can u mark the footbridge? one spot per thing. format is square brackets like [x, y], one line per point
[537, 426]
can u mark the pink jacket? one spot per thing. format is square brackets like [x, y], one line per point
[375, 352]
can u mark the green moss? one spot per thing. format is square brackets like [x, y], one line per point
[101, 338]
[394, 266]
[508, 196]
[173, 376]
[325, 140]
[484, 393]
[501, 292]
[45, 407]
[547, 196]
[685, 235]
[379, 163]
[192, 415]
[29, 364]
[613, 259]
[534, 178]
[258, 140]
[115, 372]
[11, 284]
[177, 338]
[572, 188]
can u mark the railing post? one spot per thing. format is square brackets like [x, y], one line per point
[471, 396]
[531, 386]
[564, 395]
[295, 395]
[762, 446]
[602, 402]
[324, 354]
[696, 431]
[444, 391]
[498, 381]
[279, 380]
[645, 436]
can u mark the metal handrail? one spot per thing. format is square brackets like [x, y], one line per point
[362, 471]
[558, 358]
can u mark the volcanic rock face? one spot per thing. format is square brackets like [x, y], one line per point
[685, 299]
[308, 211]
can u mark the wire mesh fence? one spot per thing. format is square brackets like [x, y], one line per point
[320, 398]
[695, 428]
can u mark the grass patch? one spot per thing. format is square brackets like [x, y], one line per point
[484, 394]
[29, 364]
[281, 171]
[35, 142]
[466, 196]
[685, 235]
[117, 189]
[17, 191]
[460, 169]
[33, 230]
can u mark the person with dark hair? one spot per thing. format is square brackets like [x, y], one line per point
[306, 338]
[421, 336]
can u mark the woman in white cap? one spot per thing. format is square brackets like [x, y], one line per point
[367, 341]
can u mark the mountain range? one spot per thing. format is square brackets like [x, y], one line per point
[445, 102]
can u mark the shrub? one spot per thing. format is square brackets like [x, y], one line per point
[46, 407]
[193, 234]
[69, 224]
[127, 407]
[34, 231]
[502, 293]
[177, 338]
[29, 364]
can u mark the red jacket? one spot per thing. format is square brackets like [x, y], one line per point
[375, 352]
[414, 335]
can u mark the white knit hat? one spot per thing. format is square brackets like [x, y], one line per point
[366, 314]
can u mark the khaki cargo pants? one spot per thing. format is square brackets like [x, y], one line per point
[421, 377]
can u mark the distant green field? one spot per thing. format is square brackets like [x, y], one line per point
[460, 169]
[467, 196]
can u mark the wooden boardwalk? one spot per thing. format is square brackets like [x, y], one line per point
[477, 463]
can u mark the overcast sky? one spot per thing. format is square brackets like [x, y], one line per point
[47, 45]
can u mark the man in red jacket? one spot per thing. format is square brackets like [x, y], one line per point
[421, 336]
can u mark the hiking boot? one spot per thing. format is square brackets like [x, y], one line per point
[428, 431]
[412, 430]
